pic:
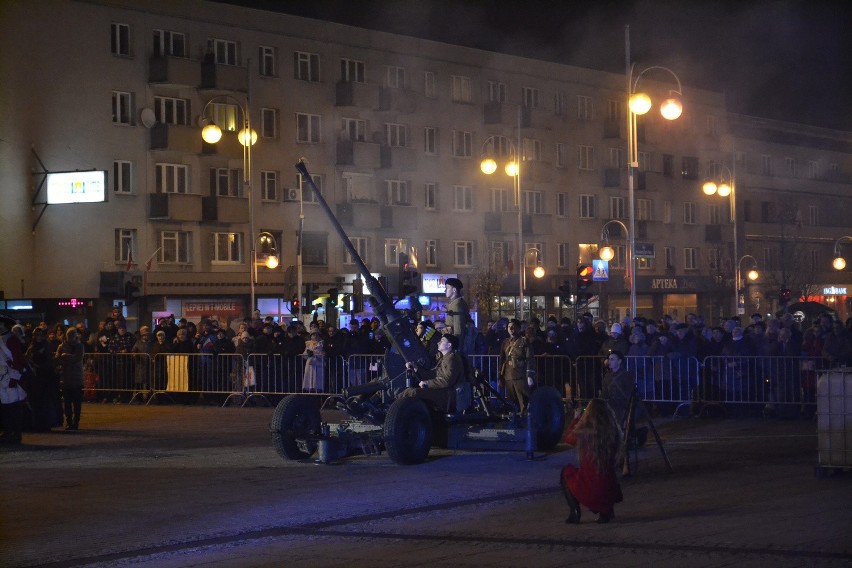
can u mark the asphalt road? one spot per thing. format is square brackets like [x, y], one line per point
[179, 486]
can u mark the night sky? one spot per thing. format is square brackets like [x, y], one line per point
[784, 59]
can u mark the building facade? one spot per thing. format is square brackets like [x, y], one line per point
[393, 129]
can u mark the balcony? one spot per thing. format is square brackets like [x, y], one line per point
[397, 100]
[224, 77]
[713, 233]
[612, 177]
[179, 138]
[353, 94]
[537, 224]
[365, 155]
[611, 129]
[398, 158]
[174, 206]
[358, 214]
[176, 71]
[225, 209]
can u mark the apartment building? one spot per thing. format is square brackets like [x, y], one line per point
[392, 129]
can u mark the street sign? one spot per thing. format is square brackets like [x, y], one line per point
[645, 250]
[601, 270]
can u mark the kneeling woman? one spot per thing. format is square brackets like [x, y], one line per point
[594, 484]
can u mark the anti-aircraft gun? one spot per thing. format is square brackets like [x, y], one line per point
[370, 418]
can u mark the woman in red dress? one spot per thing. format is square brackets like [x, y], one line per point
[594, 484]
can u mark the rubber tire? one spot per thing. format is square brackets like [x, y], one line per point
[408, 431]
[548, 415]
[296, 416]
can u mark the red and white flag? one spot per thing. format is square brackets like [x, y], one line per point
[130, 264]
[151, 259]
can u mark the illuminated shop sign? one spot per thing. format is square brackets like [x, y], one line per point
[76, 187]
[834, 291]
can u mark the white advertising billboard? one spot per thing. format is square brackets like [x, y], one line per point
[76, 187]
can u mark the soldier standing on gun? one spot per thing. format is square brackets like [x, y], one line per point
[517, 366]
[458, 311]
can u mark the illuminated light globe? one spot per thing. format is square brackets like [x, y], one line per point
[709, 188]
[724, 189]
[488, 166]
[211, 133]
[512, 169]
[243, 137]
[839, 263]
[538, 272]
[640, 103]
[753, 274]
[272, 261]
[607, 253]
[671, 109]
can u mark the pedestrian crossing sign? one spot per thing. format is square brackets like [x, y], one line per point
[600, 270]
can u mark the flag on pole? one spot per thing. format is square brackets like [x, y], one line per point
[151, 259]
[129, 266]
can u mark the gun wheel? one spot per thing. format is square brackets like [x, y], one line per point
[296, 418]
[408, 431]
[548, 415]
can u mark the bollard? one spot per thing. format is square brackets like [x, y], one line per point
[530, 438]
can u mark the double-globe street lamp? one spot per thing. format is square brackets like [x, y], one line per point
[639, 103]
[607, 252]
[224, 115]
[721, 181]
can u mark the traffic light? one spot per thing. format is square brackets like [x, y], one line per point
[294, 306]
[332, 297]
[309, 297]
[584, 280]
[407, 274]
[357, 296]
[565, 293]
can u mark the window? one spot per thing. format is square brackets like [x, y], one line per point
[224, 115]
[315, 249]
[668, 252]
[768, 263]
[395, 77]
[354, 129]
[496, 92]
[120, 39]
[563, 252]
[587, 207]
[499, 251]
[430, 140]
[268, 185]
[616, 208]
[618, 261]
[397, 192]
[463, 253]
[711, 125]
[690, 258]
[392, 249]
[430, 249]
[562, 204]
[766, 165]
[306, 66]
[834, 170]
[225, 182]
[396, 134]
[644, 210]
[499, 200]
[531, 149]
[584, 107]
[690, 167]
[122, 182]
[169, 43]
[644, 161]
[688, 213]
[430, 85]
[174, 247]
[668, 165]
[612, 110]
[715, 214]
[560, 104]
[266, 61]
[813, 215]
[667, 212]
[172, 178]
[122, 108]
[430, 193]
[714, 257]
[643, 263]
[530, 97]
[269, 123]
[461, 89]
[462, 198]
[125, 244]
[360, 246]
[790, 167]
[352, 71]
[308, 193]
[308, 128]
[585, 157]
[561, 155]
[224, 51]
[815, 260]
[227, 248]
[169, 110]
[813, 170]
[462, 144]
[616, 157]
[533, 202]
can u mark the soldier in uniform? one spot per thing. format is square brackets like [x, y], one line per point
[517, 366]
[458, 311]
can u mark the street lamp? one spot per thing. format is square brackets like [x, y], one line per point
[496, 146]
[640, 103]
[717, 184]
[607, 253]
[212, 133]
[839, 262]
[752, 275]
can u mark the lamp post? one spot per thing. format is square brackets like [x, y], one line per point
[607, 253]
[752, 275]
[717, 185]
[212, 133]
[494, 147]
[839, 263]
[640, 103]
[268, 246]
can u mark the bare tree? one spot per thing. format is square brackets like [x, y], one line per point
[486, 284]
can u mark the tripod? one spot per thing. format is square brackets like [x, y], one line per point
[629, 426]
